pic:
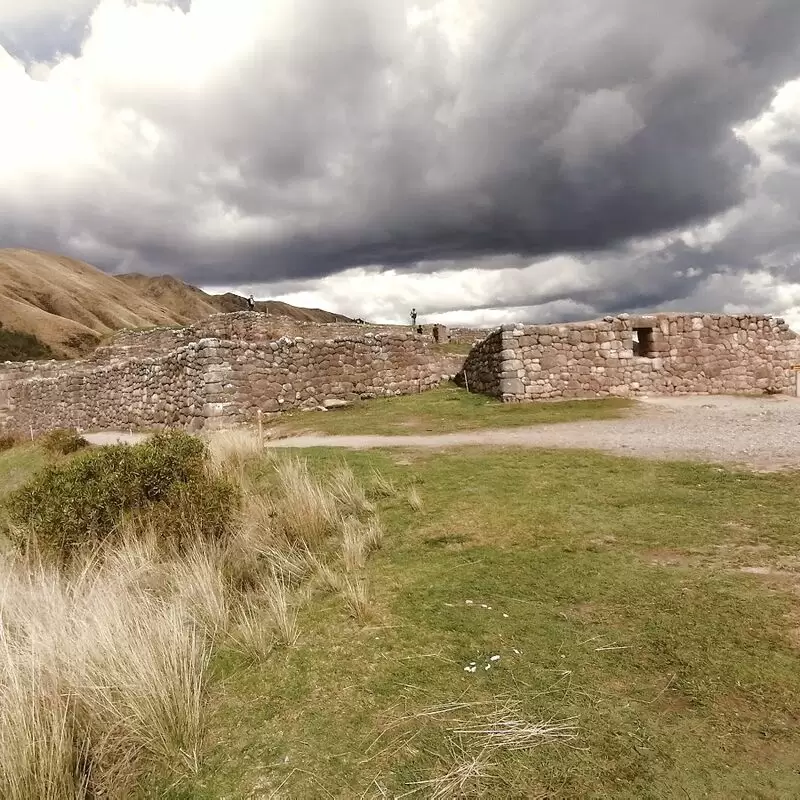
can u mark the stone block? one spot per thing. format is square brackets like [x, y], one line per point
[512, 386]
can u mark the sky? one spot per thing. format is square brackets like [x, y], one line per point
[485, 161]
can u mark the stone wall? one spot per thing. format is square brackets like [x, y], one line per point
[243, 325]
[483, 367]
[196, 380]
[625, 356]
[468, 335]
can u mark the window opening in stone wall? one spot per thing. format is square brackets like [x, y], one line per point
[643, 342]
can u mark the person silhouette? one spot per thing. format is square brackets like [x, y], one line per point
[413, 317]
[251, 303]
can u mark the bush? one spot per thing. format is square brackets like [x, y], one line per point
[63, 441]
[7, 441]
[18, 346]
[163, 482]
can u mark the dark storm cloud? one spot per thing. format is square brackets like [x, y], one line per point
[345, 139]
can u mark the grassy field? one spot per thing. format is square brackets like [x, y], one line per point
[647, 611]
[444, 410]
[616, 594]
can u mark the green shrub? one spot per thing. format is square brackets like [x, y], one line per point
[7, 441]
[63, 441]
[18, 346]
[164, 481]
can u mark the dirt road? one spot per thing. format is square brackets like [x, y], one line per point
[759, 432]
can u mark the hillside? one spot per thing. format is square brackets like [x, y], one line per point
[69, 305]
[185, 301]
[63, 307]
[194, 303]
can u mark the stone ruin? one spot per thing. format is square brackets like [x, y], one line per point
[230, 368]
[220, 372]
[625, 356]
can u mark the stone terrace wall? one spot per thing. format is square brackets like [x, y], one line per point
[483, 367]
[243, 325]
[690, 354]
[301, 373]
[213, 381]
[132, 393]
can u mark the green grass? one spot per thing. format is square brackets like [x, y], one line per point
[615, 592]
[18, 464]
[18, 346]
[443, 410]
[452, 348]
[626, 606]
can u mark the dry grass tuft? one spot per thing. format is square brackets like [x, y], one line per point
[381, 486]
[327, 576]
[467, 776]
[199, 581]
[253, 631]
[415, 499]
[232, 452]
[354, 546]
[355, 591]
[349, 493]
[358, 540]
[308, 511]
[101, 683]
[280, 609]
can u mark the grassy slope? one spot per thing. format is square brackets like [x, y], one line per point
[625, 598]
[68, 304]
[443, 410]
[16, 346]
[623, 585]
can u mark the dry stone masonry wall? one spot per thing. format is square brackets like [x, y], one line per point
[183, 377]
[625, 356]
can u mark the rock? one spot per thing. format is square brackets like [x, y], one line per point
[335, 402]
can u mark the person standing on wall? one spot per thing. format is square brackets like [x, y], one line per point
[251, 303]
[413, 318]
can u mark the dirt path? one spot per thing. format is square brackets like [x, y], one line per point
[759, 432]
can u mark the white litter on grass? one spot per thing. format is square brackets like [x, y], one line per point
[468, 602]
[505, 615]
[516, 651]
[494, 658]
[488, 666]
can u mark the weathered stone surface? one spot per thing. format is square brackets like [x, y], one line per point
[222, 371]
[702, 354]
[335, 402]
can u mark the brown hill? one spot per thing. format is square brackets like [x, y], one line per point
[185, 301]
[69, 305]
[195, 304]
[227, 303]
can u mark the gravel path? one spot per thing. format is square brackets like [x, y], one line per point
[763, 433]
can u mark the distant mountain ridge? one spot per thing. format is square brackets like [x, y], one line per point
[173, 293]
[66, 306]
